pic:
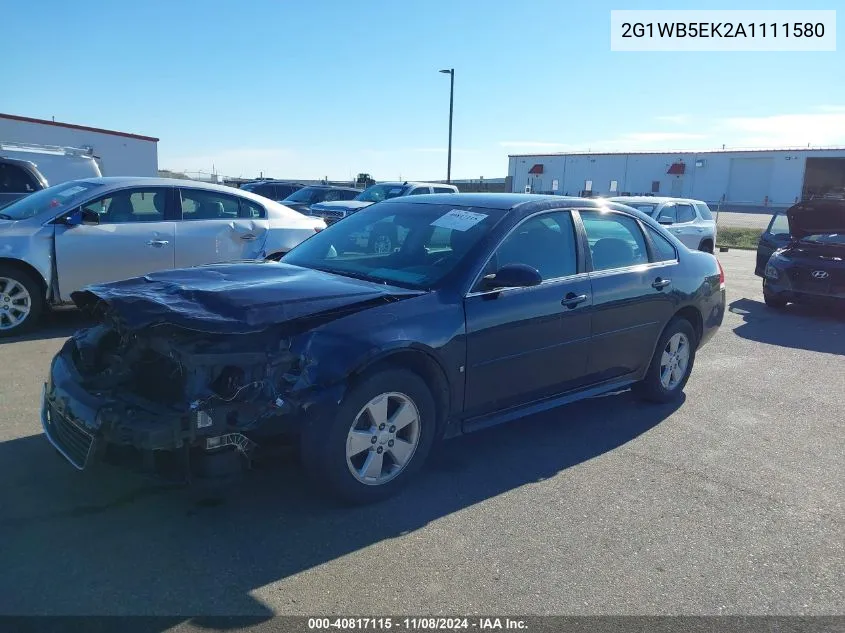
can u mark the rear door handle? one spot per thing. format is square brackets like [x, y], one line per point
[157, 243]
[571, 300]
[660, 284]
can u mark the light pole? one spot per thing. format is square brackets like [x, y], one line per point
[451, 73]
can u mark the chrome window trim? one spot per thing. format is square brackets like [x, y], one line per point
[106, 194]
[545, 282]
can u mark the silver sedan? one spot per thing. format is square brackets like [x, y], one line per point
[58, 240]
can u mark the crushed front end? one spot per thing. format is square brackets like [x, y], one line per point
[170, 401]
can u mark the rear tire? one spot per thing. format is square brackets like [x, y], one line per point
[774, 301]
[21, 301]
[671, 364]
[377, 439]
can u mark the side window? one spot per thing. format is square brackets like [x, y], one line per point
[685, 213]
[130, 205]
[252, 210]
[198, 204]
[545, 242]
[665, 251]
[14, 179]
[347, 195]
[420, 191]
[268, 191]
[616, 240]
[779, 225]
[704, 211]
[443, 190]
[668, 214]
[283, 191]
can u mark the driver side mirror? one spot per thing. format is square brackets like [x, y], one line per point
[513, 276]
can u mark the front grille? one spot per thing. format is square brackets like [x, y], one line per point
[333, 214]
[74, 442]
[803, 281]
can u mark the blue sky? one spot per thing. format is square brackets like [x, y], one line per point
[334, 87]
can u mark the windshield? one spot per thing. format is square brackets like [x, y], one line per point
[46, 199]
[408, 245]
[826, 238]
[377, 193]
[306, 194]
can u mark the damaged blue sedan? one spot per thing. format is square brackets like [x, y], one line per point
[485, 309]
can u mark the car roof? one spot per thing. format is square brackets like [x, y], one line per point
[498, 200]
[142, 181]
[414, 183]
[335, 187]
[653, 199]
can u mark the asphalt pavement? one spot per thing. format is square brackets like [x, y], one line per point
[728, 502]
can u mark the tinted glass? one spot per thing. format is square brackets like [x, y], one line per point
[283, 191]
[668, 213]
[412, 245]
[779, 225]
[648, 209]
[306, 194]
[704, 211]
[52, 198]
[13, 179]
[208, 205]
[443, 190]
[130, 205]
[250, 209]
[546, 243]
[685, 213]
[420, 191]
[616, 241]
[665, 251]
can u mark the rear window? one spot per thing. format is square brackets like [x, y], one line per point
[704, 211]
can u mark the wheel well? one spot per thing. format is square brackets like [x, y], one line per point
[426, 368]
[28, 269]
[692, 315]
[706, 241]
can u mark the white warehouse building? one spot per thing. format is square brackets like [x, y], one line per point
[118, 153]
[740, 178]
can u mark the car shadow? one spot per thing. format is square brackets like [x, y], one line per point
[812, 328]
[107, 543]
[54, 324]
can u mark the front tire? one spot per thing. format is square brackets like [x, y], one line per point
[378, 438]
[21, 301]
[671, 364]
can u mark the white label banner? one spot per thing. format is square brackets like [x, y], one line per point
[728, 30]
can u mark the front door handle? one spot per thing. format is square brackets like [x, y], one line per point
[571, 300]
[660, 284]
[249, 237]
[157, 243]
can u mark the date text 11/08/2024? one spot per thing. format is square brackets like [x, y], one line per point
[416, 624]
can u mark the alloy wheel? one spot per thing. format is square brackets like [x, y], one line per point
[383, 438]
[15, 303]
[674, 361]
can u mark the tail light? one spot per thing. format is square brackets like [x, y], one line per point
[721, 275]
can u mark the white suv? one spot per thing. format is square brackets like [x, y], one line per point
[689, 220]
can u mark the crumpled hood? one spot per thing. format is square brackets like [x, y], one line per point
[816, 217]
[340, 205]
[232, 298]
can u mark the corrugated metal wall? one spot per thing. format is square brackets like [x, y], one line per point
[743, 178]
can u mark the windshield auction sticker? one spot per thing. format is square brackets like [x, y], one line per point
[459, 220]
[708, 30]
